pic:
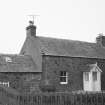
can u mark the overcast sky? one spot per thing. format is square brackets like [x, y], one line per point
[70, 19]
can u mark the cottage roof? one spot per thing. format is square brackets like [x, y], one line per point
[16, 63]
[35, 46]
[63, 47]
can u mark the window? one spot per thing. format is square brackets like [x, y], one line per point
[4, 84]
[8, 59]
[94, 76]
[63, 77]
[86, 76]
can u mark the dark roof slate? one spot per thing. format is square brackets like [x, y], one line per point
[63, 47]
[18, 63]
[35, 46]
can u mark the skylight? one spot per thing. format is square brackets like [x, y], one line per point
[8, 59]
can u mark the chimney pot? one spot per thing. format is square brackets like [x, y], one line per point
[100, 39]
[31, 29]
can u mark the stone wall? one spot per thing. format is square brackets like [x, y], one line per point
[51, 67]
[22, 81]
[75, 66]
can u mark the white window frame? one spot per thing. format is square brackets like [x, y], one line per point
[66, 76]
[86, 76]
[4, 84]
[94, 78]
[8, 59]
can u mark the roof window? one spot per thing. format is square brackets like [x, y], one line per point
[8, 59]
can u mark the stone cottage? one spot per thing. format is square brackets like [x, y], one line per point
[58, 65]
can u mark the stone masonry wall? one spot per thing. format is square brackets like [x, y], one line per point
[22, 81]
[52, 65]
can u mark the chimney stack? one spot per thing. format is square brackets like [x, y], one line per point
[31, 29]
[100, 40]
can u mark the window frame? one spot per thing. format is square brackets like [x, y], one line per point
[8, 59]
[86, 76]
[6, 84]
[94, 75]
[65, 75]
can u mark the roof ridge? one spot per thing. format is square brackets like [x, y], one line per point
[62, 39]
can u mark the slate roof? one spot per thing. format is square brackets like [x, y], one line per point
[35, 46]
[63, 47]
[18, 63]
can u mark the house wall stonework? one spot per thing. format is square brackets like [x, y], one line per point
[51, 67]
[75, 66]
[22, 82]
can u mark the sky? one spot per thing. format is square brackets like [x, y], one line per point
[68, 19]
